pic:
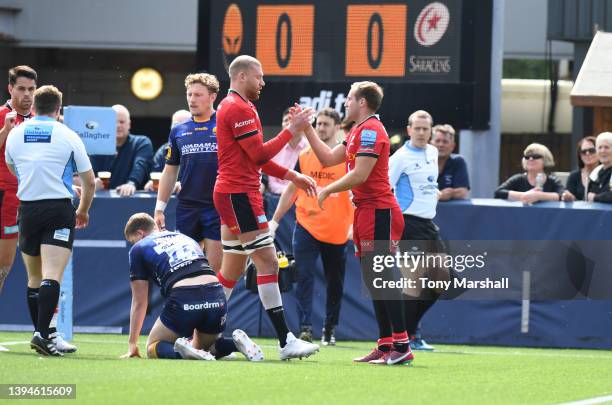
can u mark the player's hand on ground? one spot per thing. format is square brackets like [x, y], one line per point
[132, 352]
[82, 219]
[160, 219]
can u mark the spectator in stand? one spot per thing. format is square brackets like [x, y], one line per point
[536, 183]
[453, 180]
[578, 180]
[131, 165]
[600, 186]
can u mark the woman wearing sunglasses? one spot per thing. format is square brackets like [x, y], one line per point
[578, 180]
[536, 184]
[600, 186]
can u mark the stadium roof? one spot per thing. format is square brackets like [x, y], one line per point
[593, 86]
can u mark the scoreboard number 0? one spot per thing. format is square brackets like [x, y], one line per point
[376, 40]
[285, 39]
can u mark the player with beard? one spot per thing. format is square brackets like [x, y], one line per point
[242, 155]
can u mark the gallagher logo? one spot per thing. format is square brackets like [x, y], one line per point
[431, 24]
[231, 38]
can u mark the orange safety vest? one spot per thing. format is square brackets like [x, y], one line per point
[332, 224]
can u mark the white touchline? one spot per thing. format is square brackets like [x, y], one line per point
[14, 343]
[590, 401]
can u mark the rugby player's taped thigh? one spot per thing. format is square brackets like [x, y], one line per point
[261, 241]
[233, 246]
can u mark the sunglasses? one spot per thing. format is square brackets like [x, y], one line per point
[589, 151]
[533, 156]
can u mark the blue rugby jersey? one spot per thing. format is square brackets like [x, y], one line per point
[166, 257]
[193, 147]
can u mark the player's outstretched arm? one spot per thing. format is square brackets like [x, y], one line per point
[363, 168]
[326, 155]
[140, 300]
[260, 153]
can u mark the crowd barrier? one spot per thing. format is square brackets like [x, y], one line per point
[102, 291]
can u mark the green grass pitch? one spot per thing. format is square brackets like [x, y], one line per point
[451, 375]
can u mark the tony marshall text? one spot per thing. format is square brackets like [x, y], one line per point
[424, 282]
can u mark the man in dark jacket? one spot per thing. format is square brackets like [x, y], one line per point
[131, 165]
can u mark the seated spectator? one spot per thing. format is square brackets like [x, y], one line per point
[453, 179]
[600, 186]
[159, 159]
[536, 184]
[131, 165]
[578, 180]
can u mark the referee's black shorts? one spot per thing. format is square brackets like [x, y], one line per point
[48, 222]
[423, 229]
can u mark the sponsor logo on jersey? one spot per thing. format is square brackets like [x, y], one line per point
[62, 234]
[244, 123]
[203, 305]
[202, 147]
[368, 138]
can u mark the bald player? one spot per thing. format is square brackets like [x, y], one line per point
[244, 227]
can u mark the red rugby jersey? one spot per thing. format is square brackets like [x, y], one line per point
[7, 180]
[370, 139]
[241, 151]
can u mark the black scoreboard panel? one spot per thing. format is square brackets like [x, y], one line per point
[425, 54]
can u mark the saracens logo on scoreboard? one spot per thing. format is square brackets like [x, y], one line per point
[430, 27]
[431, 24]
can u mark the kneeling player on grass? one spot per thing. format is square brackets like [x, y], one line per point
[194, 297]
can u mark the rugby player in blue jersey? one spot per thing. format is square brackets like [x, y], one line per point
[193, 150]
[195, 302]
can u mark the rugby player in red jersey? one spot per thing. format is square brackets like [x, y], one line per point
[21, 87]
[242, 155]
[377, 217]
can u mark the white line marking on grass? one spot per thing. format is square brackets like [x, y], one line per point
[535, 353]
[590, 401]
[14, 343]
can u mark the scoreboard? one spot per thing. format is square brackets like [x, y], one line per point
[423, 53]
